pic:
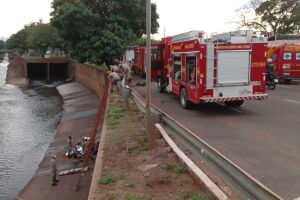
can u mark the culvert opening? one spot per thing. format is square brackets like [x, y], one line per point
[58, 71]
[37, 71]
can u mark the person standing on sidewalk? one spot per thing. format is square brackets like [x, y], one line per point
[54, 169]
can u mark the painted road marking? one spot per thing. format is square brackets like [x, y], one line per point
[292, 101]
[297, 198]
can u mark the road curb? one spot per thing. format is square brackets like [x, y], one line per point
[192, 166]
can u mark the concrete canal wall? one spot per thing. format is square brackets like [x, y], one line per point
[81, 101]
[16, 71]
[89, 77]
[19, 72]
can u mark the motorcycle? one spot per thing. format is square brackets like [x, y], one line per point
[271, 80]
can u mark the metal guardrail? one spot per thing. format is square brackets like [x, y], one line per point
[246, 186]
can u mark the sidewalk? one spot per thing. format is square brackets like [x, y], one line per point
[80, 108]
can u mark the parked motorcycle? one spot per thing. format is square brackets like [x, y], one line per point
[271, 80]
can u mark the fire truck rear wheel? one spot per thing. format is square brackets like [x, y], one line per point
[234, 103]
[184, 99]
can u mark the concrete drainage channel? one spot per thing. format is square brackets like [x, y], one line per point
[246, 186]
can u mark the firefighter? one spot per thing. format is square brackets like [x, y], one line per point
[126, 72]
[54, 169]
[115, 79]
[114, 68]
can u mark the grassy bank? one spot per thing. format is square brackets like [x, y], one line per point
[131, 171]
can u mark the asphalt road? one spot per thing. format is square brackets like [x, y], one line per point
[262, 137]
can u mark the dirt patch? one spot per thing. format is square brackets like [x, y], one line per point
[131, 171]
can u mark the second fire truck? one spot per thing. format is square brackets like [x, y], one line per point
[229, 68]
[286, 59]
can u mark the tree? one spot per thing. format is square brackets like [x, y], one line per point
[37, 35]
[43, 36]
[2, 44]
[97, 31]
[17, 41]
[275, 16]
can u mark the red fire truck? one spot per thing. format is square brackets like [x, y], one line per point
[156, 61]
[286, 59]
[228, 68]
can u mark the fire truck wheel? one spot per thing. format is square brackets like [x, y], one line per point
[234, 103]
[184, 99]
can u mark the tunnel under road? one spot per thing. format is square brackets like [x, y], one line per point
[37, 71]
[47, 71]
[58, 71]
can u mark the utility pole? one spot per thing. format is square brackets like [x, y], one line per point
[149, 127]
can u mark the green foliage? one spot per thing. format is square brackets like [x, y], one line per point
[102, 67]
[276, 16]
[17, 41]
[180, 169]
[106, 180]
[37, 35]
[2, 44]
[113, 117]
[98, 31]
[132, 196]
[283, 16]
[42, 37]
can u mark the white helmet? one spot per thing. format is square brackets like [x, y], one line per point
[269, 60]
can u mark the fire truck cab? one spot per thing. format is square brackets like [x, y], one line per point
[228, 68]
[156, 61]
[286, 59]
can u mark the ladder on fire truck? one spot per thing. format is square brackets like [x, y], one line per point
[191, 35]
[240, 36]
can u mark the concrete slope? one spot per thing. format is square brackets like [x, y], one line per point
[80, 108]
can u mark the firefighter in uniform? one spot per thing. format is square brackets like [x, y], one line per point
[126, 72]
[54, 169]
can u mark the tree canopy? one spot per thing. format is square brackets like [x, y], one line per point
[17, 41]
[97, 31]
[2, 44]
[42, 36]
[276, 16]
[37, 35]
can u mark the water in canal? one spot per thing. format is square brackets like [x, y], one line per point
[28, 122]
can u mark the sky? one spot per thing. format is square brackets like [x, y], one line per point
[14, 14]
[176, 16]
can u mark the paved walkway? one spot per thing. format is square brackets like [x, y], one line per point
[80, 108]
